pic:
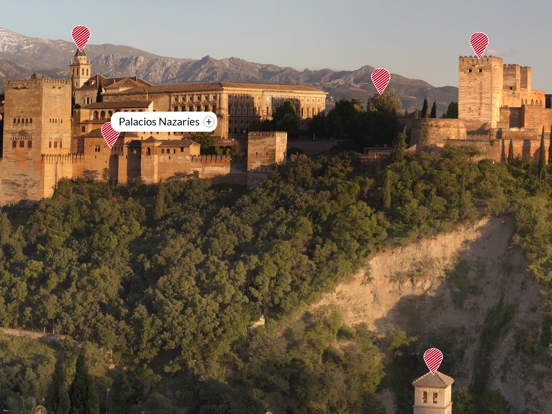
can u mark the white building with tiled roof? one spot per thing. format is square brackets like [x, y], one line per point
[433, 394]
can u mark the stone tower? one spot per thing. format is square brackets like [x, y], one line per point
[433, 394]
[265, 151]
[80, 68]
[37, 125]
[480, 91]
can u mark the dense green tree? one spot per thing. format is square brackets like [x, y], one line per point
[57, 399]
[425, 109]
[452, 111]
[542, 159]
[160, 206]
[318, 126]
[33, 76]
[387, 102]
[399, 147]
[99, 96]
[24, 406]
[494, 402]
[433, 110]
[511, 152]
[205, 139]
[550, 147]
[463, 401]
[83, 395]
[416, 115]
[387, 191]
[405, 113]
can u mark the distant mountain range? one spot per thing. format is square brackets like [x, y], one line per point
[20, 56]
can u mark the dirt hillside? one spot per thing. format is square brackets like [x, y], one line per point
[451, 282]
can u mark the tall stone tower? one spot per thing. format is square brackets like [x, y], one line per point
[80, 68]
[37, 126]
[480, 91]
[433, 394]
[265, 150]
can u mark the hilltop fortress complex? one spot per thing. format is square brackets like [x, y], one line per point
[496, 104]
[44, 139]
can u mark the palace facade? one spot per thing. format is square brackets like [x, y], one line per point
[44, 139]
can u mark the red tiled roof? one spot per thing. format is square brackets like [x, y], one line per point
[217, 86]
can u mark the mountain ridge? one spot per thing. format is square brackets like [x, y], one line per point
[52, 57]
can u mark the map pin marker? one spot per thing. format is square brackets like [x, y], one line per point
[80, 34]
[479, 42]
[109, 134]
[381, 78]
[433, 358]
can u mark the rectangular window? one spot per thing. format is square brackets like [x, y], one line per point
[61, 144]
[55, 144]
[14, 144]
[21, 144]
[435, 398]
[83, 129]
[50, 144]
[181, 149]
[29, 144]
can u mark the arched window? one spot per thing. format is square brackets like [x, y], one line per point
[14, 120]
[18, 120]
[102, 115]
[531, 102]
[148, 151]
[61, 120]
[435, 395]
[140, 110]
[162, 151]
[31, 120]
[26, 120]
[96, 115]
[87, 72]
[424, 397]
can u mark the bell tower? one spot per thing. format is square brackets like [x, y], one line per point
[80, 68]
[433, 394]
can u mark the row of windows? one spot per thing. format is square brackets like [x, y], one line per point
[84, 72]
[478, 70]
[23, 121]
[101, 115]
[192, 98]
[424, 397]
[22, 144]
[55, 121]
[198, 109]
[148, 150]
[56, 144]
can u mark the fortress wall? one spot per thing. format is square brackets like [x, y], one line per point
[55, 167]
[490, 151]
[524, 147]
[532, 116]
[511, 116]
[430, 131]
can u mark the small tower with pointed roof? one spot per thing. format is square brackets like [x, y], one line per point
[433, 394]
[80, 68]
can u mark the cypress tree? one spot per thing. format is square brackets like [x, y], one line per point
[542, 159]
[387, 192]
[399, 147]
[550, 147]
[416, 114]
[57, 399]
[511, 152]
[425, 109]
[99, 97]
[405, 112]
[160, 201]
[434, 110]
[84, 399]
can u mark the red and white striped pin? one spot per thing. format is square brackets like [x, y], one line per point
[479, 42]
[433, 358]
[381, 78]
[80, 34]
[109, 134]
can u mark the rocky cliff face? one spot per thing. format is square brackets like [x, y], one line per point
[52, 58]
[412, 287]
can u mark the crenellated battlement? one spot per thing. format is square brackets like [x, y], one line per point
[53, 158]
[510, 66]
[264, 134]
[474, 60]
[28, 83]
[200, 159]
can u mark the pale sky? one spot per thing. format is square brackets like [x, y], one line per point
[416, 39]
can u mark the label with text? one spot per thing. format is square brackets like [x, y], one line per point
[164, 121]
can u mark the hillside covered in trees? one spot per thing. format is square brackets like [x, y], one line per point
[170, 278]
